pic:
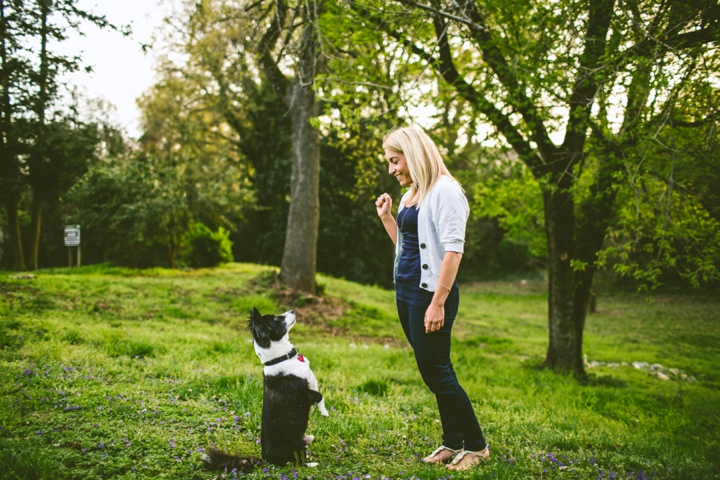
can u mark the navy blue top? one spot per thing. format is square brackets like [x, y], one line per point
[407, 279]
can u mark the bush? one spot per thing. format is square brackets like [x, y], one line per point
[204, 248]
[133, 213]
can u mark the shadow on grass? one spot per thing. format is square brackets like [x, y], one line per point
[592, 380]
[22, 296]
[585, 380]
[27, 467]
[378, 388]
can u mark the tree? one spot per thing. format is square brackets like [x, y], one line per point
[551, 78]
[299, 262]
[43, 162]
[30, 85]
[217, 38]
[289, 37]
[212, 106]
[667, 224]
[13, 71]
[184, 129]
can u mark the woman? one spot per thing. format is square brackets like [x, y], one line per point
[429, 235]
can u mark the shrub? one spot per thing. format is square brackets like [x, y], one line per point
[204, 248]
[133, 213]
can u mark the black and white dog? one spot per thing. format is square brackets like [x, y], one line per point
[290, 390]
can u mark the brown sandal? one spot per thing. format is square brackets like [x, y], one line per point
[483, 456]
[431, 458]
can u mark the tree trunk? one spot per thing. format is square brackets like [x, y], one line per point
[173, 256]
[9, 177]
[12, 209]
[297, 269]
[581, 300]
[300, 253]
[565, 342]
[37, 207]
[37, 156]
[595, 215]
[174, 248]
[569, 291]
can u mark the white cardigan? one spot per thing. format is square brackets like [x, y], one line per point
[442, 217]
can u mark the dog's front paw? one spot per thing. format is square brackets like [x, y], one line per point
[324, 413]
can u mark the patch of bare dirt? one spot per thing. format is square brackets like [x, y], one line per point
[310, 309]
[316, 311]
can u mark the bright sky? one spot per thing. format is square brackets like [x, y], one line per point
[121, 71]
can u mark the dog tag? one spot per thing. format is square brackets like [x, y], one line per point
[301, 358]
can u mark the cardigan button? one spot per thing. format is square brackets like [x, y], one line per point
[423, 285]
[425, 267]
[422, 245]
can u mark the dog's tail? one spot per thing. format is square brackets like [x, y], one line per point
[218, 460]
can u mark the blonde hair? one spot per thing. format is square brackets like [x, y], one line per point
[424, 162]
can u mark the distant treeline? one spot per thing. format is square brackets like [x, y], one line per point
[134, 209]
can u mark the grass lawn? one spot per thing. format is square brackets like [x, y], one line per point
[116, 373]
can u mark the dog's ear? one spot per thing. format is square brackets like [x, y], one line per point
[260, 335]
[254, 317]
[314, 397]
[250, 318]
[258, 329]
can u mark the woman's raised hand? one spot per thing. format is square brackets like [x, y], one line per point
[384, 205]
[384, 211]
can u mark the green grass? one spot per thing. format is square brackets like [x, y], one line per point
[117, 373]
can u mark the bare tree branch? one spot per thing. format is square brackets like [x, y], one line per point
[444, 14]
[447, 69]
[445, 66]
[492, 55]
[505, 74]
[587, 84]
[713, 117]
[269, 66]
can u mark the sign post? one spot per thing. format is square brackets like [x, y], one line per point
[72, 239]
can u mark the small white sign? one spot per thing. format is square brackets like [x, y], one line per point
[72, 235]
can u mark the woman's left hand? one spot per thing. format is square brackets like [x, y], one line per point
[434, 318]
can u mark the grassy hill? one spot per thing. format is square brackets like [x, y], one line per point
[116, 373]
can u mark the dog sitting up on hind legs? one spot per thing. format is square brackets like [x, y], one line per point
[289, 391]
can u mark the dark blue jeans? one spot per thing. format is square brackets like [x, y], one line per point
[432, 354]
